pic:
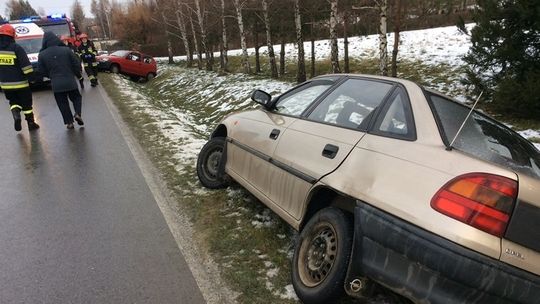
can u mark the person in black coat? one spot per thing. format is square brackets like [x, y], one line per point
[63, 67]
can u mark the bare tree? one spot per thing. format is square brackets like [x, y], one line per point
[397, 28]
[183, 34]
[334, 51]
[195, 40]
[271, 56]
[301, 73]
[383, 43]
[204, 40]
[77, 14]
[224, 42]
[245, 57]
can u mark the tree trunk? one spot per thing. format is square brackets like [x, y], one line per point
[301, 73]
[224, 43]
[196, 44]
[282, 56]
[312, 38]
[346, 66]
[397, 27]
[383, 68]
[257, 57]
[243, 43]
[270, 46]
[169, 44]
[183, 33]
[200, 17]
[334, 53]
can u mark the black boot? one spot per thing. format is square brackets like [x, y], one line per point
[16, 118]
[32, 125]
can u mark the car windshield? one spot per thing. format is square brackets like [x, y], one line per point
[120, 53]
[59, 29]
[31, 46]
[485, 138]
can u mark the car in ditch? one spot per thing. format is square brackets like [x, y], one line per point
[131, 63]
[389, 182]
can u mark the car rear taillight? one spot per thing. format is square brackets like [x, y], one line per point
[484, 201]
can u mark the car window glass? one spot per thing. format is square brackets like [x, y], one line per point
[296, 102]
[394, 120]
[485, 138]
[134, 57]
[351, 103]
[147, 59]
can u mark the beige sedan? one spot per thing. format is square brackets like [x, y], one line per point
[389, 182]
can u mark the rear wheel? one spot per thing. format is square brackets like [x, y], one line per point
[115, 69]
[321, 256]
[208, 164]
[150, 76]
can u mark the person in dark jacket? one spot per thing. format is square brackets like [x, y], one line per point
[61, 65]
[14, 68]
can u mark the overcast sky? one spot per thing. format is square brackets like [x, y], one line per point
[51, 6]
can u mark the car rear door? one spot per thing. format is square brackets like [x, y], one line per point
[315, 146]
[255, 134]
[132, 63]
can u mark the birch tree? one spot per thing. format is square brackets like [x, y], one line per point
[180, 20]
[383, 43]
[224, 43]
[204, 40]
[301, 73]
[397, 28]
[245, 57]
[169, 44]
[195, 41]
[334, 57]
[270, 46]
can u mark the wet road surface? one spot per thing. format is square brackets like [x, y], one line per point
[78, 223]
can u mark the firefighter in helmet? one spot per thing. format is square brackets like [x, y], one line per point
[88, 54]
[67, 41]
[14, 70]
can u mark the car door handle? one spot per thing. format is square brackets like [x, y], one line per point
[330, 151]
[274, 134]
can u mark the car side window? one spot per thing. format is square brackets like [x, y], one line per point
[134, 57]
[351, 105]
[147, 59]
[396, 119]
[297, 101]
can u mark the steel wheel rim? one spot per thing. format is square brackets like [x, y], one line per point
[212, 164]
[318, 254]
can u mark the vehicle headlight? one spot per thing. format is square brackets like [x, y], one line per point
[104, 59]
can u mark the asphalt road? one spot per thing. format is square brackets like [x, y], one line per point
[78, 223]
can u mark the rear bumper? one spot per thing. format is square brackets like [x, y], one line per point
[429, 269]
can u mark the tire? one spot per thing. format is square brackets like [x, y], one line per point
[321, 257]
[150, 76]
[208, 164]
[115, 69]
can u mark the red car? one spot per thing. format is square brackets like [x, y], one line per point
[131, 63]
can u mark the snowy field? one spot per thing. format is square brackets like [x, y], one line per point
[186, 104]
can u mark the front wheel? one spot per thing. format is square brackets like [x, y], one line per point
[208, 164]
[115, 69]
[321, 257]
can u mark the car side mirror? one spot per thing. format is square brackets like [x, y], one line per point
[262, 98]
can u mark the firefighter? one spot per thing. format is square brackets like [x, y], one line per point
[14, 70]
[88, 54]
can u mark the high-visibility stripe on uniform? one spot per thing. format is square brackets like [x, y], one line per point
[14, 85]
[91, 77]
[85, 64]
[7, 52]
[27, 69]
[15, 107]
[7, 59]
[94, 63]
[28, 112]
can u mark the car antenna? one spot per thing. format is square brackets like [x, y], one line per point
[464, 121]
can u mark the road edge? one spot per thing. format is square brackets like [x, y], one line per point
[203, 268]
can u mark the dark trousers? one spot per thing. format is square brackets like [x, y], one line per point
[91, 71]
[20, 99]
[63, 104]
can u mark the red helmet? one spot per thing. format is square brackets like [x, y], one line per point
[8, 30]
[64, 38]
[83, 35]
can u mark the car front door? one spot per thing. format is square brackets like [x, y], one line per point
[317, 144]
[255, 134]
[132, 63]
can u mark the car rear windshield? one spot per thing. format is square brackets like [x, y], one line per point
[120, 53]
[485, 138]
